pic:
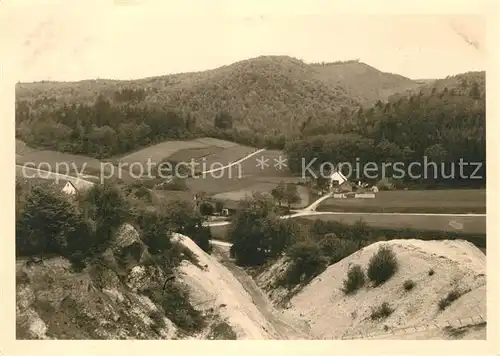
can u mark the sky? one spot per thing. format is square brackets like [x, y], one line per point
[127, 39]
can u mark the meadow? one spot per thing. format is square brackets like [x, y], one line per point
[457, 201]
[66, 163]
[246, 177]
[471, 228]
[159, 152]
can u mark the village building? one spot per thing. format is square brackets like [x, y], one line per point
[72, 188]
[340, 184]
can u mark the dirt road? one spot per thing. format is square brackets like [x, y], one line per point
[287, 327]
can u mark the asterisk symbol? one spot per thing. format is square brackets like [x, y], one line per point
[262, 162]
[280, 162]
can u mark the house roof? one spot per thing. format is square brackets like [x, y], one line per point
[338, 174]
[79, 184]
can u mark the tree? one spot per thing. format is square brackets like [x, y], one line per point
[206, 208]
[219, 206]
[107, 207]
[388, 151]
[184, 218]
[436, 153]
[223, 121]
[322, 183]
[292, 195]
[279, 193]
[252, 230]
[155, 233]
[360, 232]
[475, 92]
[50, 224]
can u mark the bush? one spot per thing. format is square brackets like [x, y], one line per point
[355, 279]
[382, 265]
[143, 193]
[307, 262]
[382, 311]
[450, 298]
[175, 302]
[431, 272]
[336, 249]
[176, 184]
[158, 320]
[408, 285]
[222, 331]
[206, 208]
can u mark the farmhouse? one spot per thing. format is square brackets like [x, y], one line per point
[337, 179]
[71, 188]
[340, 184]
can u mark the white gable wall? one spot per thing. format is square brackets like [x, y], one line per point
[338, 177]
[69, 189]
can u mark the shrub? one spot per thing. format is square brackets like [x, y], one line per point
[450, 298]
[382, 265]
[336, 249]
[176, 184]
[222, 331]
[175, 302]
[382, 311]
[158, 320]
[408, 284]
[143, 193]
[360, 231]
[431, 272]
[206, 208]
[355, 279]
[307, 262]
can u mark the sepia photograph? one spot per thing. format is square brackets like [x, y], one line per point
[248, 176]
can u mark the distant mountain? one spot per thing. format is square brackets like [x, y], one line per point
[271, 93]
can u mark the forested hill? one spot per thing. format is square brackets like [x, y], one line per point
[443, 124]
[264, 96]
[459, 83]
[363, 82]
[317, 110]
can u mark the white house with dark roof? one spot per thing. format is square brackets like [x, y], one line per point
[337, 179]
[71, 188]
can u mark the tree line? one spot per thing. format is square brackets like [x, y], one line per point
[446, 126]
[80, 228]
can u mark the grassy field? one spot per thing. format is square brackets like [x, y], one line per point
[269, 169]
[225, 157]
[72, 165]
[466, 224]
[58, 162]
[414, 201]
[263, 188]
[186, 155]
[22, 148]
[216, 142]
[159, 151]
[232, 183]
[244, 177]
[436, 226]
